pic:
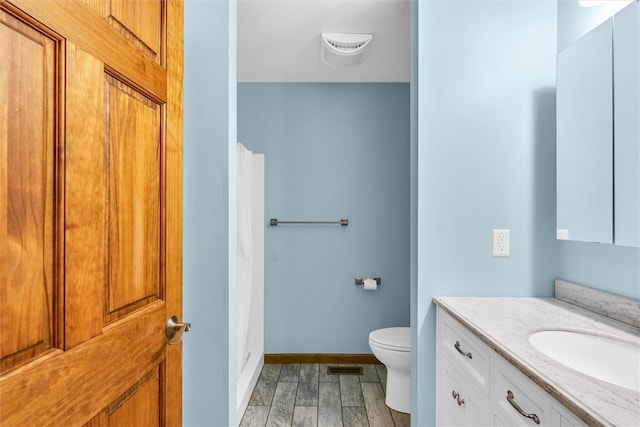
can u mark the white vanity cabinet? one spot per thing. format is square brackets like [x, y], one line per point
[477, 387]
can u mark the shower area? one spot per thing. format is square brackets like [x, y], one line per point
[250, 274]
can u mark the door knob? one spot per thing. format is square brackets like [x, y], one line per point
[175, 330]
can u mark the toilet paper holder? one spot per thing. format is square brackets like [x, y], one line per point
[360, 281]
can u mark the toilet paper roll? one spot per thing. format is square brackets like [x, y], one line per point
[370, 285]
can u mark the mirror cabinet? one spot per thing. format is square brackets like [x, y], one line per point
[598, 133]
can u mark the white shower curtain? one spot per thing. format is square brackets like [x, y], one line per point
[245, 254]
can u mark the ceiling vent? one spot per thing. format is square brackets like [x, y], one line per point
[344, 50]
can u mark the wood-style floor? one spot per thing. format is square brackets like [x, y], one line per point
[305, 395]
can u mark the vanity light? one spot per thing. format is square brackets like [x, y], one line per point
[344, 50]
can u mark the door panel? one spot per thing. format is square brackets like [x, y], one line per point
[140, 22]
[138, 406]
[133, 145]
[71, 387]
[90, 212]
[27, 190]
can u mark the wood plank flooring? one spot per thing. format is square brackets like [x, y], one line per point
[305, 395]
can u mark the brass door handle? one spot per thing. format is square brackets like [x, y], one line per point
[175, 330]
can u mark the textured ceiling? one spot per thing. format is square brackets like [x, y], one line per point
[279, 40]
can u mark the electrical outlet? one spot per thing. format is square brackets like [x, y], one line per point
[501, 243]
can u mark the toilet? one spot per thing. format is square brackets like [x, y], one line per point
[392, 347]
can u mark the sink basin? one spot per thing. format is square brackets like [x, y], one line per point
[607, 359]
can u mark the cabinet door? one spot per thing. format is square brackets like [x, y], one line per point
[585, 138]
[457, 402]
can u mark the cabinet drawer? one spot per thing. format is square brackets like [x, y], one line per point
[457, 402]
[467, 352]
[519, 401]
[530, 398]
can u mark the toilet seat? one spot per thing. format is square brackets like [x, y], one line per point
[395, 339]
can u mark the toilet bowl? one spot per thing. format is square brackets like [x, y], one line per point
[392, 347]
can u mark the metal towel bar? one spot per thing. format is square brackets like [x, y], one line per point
[342, 222]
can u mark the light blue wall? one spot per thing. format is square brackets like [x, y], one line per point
[486, 159]
[209, 246]
[331, 151]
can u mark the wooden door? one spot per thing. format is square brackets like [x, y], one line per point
[90, 211]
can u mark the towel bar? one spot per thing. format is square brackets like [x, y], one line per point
[342, 222]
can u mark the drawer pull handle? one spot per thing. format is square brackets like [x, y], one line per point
[517, 407]
[457, 346]
[457, 397]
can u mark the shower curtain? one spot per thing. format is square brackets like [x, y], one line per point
[244, 264]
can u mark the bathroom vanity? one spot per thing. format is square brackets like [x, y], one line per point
[490, 374]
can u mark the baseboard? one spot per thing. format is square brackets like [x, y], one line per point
[363, 359]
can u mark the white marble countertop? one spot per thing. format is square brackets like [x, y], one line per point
[505, 324]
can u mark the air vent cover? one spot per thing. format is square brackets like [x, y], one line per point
[344, 370]
[344, 50]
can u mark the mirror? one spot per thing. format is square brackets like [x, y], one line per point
[585, 138]
[598, 137]
[626, 74]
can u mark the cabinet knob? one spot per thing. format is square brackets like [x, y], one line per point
[457, 397]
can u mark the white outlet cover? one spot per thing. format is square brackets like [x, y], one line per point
[501, 243]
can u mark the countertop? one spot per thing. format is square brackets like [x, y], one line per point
[504, 324]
